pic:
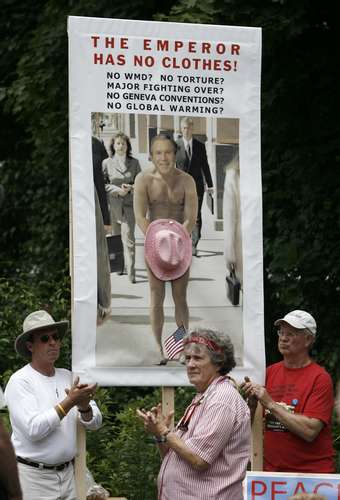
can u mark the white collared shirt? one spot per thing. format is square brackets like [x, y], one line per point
[38, 433]
[186, 144]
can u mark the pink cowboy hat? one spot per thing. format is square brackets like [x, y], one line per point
[168, 249]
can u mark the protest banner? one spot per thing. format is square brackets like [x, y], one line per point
[142, 78]
[280, 486]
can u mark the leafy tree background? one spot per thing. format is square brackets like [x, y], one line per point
[300, 165]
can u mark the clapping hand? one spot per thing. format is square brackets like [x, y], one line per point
[154, 421]
[81, 394]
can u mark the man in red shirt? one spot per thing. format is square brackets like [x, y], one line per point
[298, 402]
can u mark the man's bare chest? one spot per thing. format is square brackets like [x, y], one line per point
[160, 191]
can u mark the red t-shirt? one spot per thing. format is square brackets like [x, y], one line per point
[308, 391]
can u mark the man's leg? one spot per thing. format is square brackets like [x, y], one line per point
[196, 232]
[128, 238]
[179, 295]
[117, 230]
[68, 487]
[103, 268]
[38, 484]
[157, 295]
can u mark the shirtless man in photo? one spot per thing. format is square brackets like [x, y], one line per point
[164, 192]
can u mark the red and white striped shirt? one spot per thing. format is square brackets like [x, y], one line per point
[218, 432]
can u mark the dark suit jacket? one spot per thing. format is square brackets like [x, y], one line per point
[99, 154]
[198, 167]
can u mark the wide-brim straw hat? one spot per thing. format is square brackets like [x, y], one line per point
[168, 249]
[37, 321]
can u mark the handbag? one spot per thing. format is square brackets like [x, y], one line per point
[233, 286]
[210, 202]
[116, 253]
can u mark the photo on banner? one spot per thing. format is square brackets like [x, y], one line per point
[125, 90]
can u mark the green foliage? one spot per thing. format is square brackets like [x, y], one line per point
[121, 456]
[301, 185]
[336, 441]
[300, 157]
[19, 297]
[192, 11]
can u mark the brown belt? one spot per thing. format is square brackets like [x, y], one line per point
[39, 465]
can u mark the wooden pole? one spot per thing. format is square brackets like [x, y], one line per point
[80, 459]
[168, 402]
[257, 440]
[80, 463]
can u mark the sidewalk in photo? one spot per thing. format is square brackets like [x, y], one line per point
[126, 339]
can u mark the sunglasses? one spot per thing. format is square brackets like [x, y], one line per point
[45, 338]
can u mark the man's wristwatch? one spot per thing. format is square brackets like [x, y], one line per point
[87, 410]
[162, 438]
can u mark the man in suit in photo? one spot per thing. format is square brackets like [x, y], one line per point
[103, 227]
[191, 157]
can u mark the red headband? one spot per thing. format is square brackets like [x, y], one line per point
[201, 340]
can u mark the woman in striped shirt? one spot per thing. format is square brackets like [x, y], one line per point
[206, 455]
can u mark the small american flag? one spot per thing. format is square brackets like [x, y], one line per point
[174, 343]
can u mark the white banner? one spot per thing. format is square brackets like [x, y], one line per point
[283, 485]
[138, 79]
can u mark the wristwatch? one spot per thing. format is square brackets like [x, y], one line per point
[162, 438]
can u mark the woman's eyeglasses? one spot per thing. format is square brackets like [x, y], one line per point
[45, 338]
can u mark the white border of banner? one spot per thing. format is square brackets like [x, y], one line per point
[83, 101]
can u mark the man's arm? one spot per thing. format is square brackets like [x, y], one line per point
[25, 413]
[80, 395]
[205, 167]
[230, 217]
[8, 466]
[99, 154]
[190, 203]
[35, 424]
[306, 428]
[140, 202]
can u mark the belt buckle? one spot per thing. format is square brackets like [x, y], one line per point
[41, 466]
